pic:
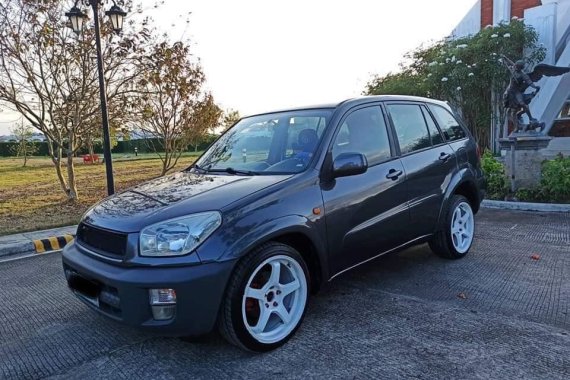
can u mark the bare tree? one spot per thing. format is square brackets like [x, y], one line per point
[174, 109]
[25, 147]
[48, 75]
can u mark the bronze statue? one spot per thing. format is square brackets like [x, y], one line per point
[515, 100]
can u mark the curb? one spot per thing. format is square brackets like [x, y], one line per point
[38, 247]
[52, 243]
[36, 242]
[526, 206]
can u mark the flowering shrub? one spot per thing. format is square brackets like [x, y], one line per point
[466, 72]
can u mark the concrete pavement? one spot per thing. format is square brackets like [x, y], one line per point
[501, 312]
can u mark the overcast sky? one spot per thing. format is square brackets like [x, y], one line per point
[260, 55]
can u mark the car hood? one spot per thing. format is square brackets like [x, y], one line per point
[172, 196]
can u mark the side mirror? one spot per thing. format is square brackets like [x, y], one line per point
[347, 164]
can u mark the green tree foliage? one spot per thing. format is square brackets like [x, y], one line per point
[24, 147]
[174, 109]
[466, 72]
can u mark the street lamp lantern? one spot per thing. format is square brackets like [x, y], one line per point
[117, 16]
[77, 19]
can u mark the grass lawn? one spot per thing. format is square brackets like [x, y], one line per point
[31, 197]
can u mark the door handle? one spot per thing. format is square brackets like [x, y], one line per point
[444, 156]
[393, 174]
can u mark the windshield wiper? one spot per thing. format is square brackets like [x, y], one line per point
[197, 167]
[232, 171]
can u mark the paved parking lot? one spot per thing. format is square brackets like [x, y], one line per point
[498, 313]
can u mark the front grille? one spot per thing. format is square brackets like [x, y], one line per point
[102, 241]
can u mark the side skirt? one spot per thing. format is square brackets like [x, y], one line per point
[415, 241]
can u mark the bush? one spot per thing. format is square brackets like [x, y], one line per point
[555, 182]
[497, 185]
[554, 186]
[531, 195]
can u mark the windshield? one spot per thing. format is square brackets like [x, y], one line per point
[278, 143]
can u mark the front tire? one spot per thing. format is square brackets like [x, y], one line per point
[266, 298]
[456, 237]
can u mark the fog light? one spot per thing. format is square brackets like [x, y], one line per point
[163, 313]
[163, 303]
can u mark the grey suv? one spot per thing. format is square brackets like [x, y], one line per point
[280, 204]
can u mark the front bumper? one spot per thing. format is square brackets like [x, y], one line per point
[121, 292]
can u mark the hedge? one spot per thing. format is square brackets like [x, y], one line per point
[127, 146]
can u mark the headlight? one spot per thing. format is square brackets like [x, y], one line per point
[180, 236]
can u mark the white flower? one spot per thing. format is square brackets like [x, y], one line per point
[441, 63]
[444, 79]
[474, 65]
[453, 59]
[429, 75]
[470, 75]
[447, 60]
[493, 54]
[458, 88]
[488, 26]
[431, 64]
[468, 66]
[514, 18]
[507, 35]
[462, 46]
[458, 62]
[494, 35]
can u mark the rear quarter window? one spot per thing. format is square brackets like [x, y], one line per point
[448, 124]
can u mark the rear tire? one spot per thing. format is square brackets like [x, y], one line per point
[266, 298]
[458, 230]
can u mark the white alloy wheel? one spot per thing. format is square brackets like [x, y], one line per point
[462, 227]
[274, 299]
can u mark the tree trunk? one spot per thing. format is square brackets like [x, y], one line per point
[56, 159]
[164, 167]
[90, 147]
[71, 170]
[25, 152]
[167, 154]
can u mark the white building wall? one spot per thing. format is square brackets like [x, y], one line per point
[552, 22]
[470, 24]
[563, 18]
[501, 11]
[543, 20]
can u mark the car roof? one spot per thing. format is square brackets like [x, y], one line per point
[348, 103]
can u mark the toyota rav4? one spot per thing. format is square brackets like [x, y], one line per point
[280, 204]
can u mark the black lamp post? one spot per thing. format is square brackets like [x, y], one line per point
[77, 19]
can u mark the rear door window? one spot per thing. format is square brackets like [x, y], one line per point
[436, 137]
[449, 125]
[410, 127]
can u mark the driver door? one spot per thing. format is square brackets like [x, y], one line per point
[365, 214]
